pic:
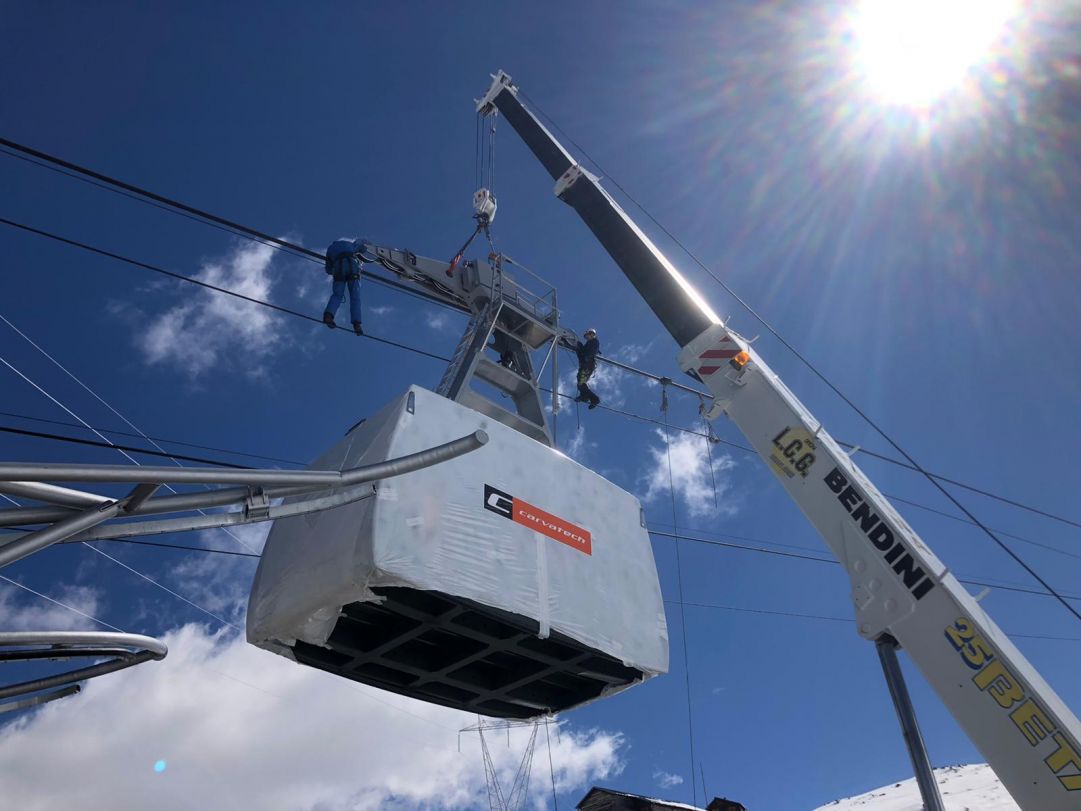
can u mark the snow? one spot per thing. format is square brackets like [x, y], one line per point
[964, 788]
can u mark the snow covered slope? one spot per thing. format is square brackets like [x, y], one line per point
[964, 788]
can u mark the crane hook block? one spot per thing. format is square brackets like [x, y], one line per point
[484, 206]
[509, 582]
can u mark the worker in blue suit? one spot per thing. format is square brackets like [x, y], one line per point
[343, 264]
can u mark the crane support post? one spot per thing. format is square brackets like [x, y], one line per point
[683, 312]
[899, 587]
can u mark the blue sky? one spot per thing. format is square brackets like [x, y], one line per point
[927, 267]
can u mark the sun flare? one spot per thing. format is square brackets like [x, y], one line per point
[912, 53]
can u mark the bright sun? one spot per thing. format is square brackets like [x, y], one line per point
[913, 52]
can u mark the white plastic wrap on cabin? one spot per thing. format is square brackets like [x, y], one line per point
[429, 530]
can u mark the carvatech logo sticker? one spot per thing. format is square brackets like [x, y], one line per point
[524, 513]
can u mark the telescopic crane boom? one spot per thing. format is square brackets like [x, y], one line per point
[900, 590]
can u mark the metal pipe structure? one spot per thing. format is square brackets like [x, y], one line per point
[44, 472]
[267, 512]
[32, 542]
[52, 494]
[177, 502]
[67, 525]
[125, 650]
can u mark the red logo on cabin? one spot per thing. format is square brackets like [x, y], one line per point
[524, 513]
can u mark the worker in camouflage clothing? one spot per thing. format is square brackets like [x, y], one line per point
[587, 364]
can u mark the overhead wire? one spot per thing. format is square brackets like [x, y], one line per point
[60, 603]
[415, 350]
[206, 285]
[153, 582]
[1001, 532]
[679, 581]
[821, 376]
[751, 451]
[112, 184]
[105, 186]
[835, 562]
[709, 440]
[551, 768]
[100, 180]
[878, 456]
[61, 405]
[425, 353]
[730, 544]
[311, 254]
[357, 687]
[846, 620]
[135, 462]
[477, 182]
[145, 543]
[163, 545]
[203, 460]
[743, 547]
[83, 171]
[230, 552]
[71, 608]
[161, 586]
[116, 432]
[90, 391]
[915, 504]
[7, 429]
[101, 400]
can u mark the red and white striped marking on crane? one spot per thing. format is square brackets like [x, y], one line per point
[725, 349]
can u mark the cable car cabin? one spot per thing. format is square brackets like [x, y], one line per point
[509, 582]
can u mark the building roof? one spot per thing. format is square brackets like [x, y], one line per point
[606, 799]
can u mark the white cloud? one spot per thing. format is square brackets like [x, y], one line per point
[632, 353]
[691, 477]
[313, 290]
[666, 779]
[576, 447]
[218, 583]
[22, 611]
[250, 537]
[209, 329]
[381, 310]
[239, 727]
[439, 321]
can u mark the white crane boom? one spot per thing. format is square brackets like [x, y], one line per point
[900, 589]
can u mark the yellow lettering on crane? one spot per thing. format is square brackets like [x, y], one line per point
[1065, 756]
[1031, 720]
[1010, 693]
[998, 681]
